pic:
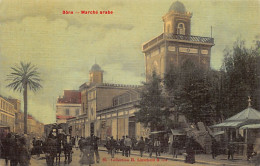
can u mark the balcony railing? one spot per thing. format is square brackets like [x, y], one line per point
[200, 39]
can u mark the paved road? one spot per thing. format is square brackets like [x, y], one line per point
[118, 160]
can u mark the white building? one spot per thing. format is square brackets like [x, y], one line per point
[68, 106]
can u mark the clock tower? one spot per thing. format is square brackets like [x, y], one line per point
[176, 46]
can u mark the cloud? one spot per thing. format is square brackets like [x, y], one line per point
[119, 26]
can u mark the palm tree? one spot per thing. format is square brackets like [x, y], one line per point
[23, 76]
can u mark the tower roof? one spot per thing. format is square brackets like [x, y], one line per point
[177, 7]
[96, 67]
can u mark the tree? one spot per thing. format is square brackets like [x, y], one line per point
[193, 92]
[240, 77]
[23, 77]
[152, 106]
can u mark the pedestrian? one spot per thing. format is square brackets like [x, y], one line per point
[150, 147]
[94, 141]
[24, 155]
[231, 150]
[214, 147]
[112, 146]
[77, 142]
[118, 147]
[73, 141]
[122, 145]
[128, 144]
[157, 145]
[37, 147]
[33, 151]
[87, 152]
[134, 143]
[141, 145]
[250, 151]
[190, 157]
[67, 146]
[1, 149]
[50, 149]
[256, 150]
[175, 147]
[13, 153]
[166, 144]
[6, 145]
[108, 144]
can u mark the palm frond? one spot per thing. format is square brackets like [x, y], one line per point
[24, 74]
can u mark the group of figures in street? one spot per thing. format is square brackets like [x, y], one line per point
[151, 146]
[125, 145]
[89, 150]
[13, 148]
[16, 149]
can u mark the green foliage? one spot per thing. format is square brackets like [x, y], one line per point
[240, 78]
[24, 75]
[153, 112]
[191, 91]
[203, 95]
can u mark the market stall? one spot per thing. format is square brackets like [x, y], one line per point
[237, 128]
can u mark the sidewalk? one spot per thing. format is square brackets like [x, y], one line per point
[205, 159]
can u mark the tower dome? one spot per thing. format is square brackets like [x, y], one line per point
[95, 67]
[96, 74]
[177, 7]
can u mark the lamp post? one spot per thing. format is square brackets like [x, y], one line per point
[116, 124]
[100, 126]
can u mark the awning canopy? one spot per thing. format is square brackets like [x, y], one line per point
[232, 124]
[218, 133]
[64, 117]
[247, 114]
[157, 132]
[4, 126]
[251, 126]
[177, 132]
[245, 117]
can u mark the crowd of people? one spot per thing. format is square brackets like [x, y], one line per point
[126, 144]
[89, 150]
[17, 149]
[13, 149]
[153, 145]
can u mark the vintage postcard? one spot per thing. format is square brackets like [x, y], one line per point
[129, 82]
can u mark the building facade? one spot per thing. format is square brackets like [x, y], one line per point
[176, 46]
[7, 116]
[107, 109]
[119, 119]
[35, 128]
[68, 106]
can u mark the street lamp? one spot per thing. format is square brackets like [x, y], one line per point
[117, 124]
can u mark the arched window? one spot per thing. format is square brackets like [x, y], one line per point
[181, 29]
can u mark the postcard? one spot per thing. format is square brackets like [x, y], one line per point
[128, 82]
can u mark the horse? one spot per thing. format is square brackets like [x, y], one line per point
[50, 149]
[59, 147]
[67, 145]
